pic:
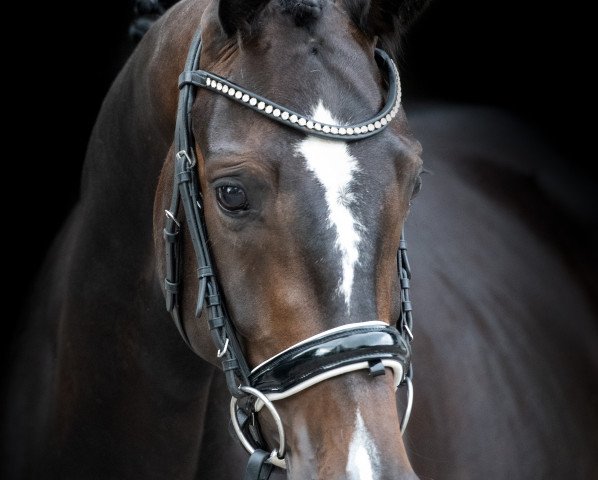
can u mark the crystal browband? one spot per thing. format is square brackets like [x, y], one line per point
[288, 117]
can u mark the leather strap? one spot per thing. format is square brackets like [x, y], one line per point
[405, 321]
[257, 468]
[186, 191]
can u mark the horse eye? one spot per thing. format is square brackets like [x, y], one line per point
[417, 187]
[232, 198]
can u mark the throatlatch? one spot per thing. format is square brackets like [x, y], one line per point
[373, 345]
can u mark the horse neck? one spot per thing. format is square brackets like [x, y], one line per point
[115, 250]
[134, 130]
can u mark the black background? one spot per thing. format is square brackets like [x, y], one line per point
[525, 57]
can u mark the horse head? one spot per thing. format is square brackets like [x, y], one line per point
[303, 230]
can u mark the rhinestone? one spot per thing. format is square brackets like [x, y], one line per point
[208, 82]
[349, 131]
[393, 114]
[377, 124]
[261, 106]
[225, 88]
[364, 129]
[293, 119]
[383, 121]
[318, 127]
[269, 109]
[231, 92]
[218, 86]
[310, 124]
[253, 101]
[284, 115]
[326, 129]
[238, 95]
[302, 122]
[276, 112]
[342, 131]
[334, 130]
[245, 98]
[371, 127]
[388, 117]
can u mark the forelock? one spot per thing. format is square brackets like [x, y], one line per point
[304, 12]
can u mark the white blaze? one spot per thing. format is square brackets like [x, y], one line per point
[363, 456]
[334, 167]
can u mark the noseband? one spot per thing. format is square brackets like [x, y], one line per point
[371, 345]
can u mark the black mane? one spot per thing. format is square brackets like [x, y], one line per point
[145, 13]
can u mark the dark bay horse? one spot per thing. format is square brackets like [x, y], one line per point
[304, 234]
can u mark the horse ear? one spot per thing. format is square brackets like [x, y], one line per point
[386, 19]
[236, 14]
[386, 16]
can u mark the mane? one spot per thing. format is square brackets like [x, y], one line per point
[145, 13]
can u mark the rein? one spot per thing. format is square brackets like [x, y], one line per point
[372, 345]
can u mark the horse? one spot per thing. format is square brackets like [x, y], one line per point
[304, 233]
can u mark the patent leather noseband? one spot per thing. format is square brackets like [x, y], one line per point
[371, 345]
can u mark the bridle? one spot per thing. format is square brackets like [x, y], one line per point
[372, 345]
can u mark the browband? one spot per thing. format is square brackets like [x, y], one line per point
[290, 118]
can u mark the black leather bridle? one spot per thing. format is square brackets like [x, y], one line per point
[366, 345]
